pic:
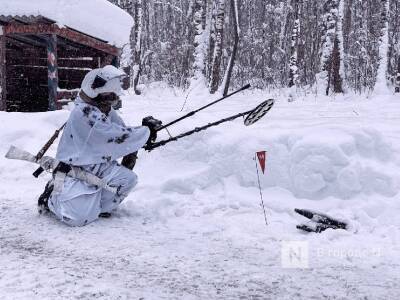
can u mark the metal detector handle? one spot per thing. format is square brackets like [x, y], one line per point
[201, 108]
[153, 146]
[252, 116]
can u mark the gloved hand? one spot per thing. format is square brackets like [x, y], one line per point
[153, 125]
[148, 146]
[129, 161]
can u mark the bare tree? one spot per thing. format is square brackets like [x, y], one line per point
[218, 40]
[294, 69]
[331, 56]
[136, 43]
[198, 70]
[236, 28]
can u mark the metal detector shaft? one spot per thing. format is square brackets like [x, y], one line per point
[198, 129]
[201, 108]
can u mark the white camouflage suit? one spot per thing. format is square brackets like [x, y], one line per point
[94, 142]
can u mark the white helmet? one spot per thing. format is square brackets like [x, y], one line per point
[104, 80]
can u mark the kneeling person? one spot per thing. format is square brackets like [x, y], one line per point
[93, 139]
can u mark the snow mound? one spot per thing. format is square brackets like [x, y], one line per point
[98, 18]
[314, 164]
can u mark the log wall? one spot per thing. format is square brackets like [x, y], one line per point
[3, 88]
[44, 69]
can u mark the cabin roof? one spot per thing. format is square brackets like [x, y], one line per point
[31, 30]
[99, 19]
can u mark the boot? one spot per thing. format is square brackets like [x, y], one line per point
[105, 215]
[43, 200]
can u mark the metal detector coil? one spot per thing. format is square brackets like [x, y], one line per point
[259, 112]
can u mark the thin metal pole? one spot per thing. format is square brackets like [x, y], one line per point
[261, 195]
[192, 113]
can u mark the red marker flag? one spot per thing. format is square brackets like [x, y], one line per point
[261, 155]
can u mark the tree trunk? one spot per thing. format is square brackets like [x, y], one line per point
[3, 74]
[199, 44]
[52, 70]
[136, 44]
[381, 78]
[217, 55]
[228, 76]
[331, 45]
[294, 70]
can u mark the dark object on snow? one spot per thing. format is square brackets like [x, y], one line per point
[45, 148]
[105, 215]
[43, 200]
[252, 116]
[320, 222]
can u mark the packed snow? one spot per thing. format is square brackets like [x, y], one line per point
[98, 18]
[193, 228]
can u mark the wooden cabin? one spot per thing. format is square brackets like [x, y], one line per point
[42, 65]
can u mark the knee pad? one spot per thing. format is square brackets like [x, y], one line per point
[131, 181]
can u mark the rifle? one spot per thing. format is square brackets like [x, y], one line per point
[46, 147]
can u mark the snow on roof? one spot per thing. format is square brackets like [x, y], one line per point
[98, 18]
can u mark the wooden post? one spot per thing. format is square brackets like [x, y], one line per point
[52, 70]
[3, 70]
[106, 60]
[397, 77]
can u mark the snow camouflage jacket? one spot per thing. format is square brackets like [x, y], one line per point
[91, 137]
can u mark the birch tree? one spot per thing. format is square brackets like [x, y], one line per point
[218, 40]
[136, 44]
[198, 71]
[330, 57]
[294, 69]
[381, 79]
[236, 29]
[394, 45]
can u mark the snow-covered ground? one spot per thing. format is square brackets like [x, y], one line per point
[193, 228]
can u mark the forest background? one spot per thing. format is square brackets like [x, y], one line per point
[312, 46]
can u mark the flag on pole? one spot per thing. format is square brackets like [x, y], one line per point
[261, 155]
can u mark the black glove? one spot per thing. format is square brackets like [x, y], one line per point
[153, 125]
[129, 161]
[149, 146]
